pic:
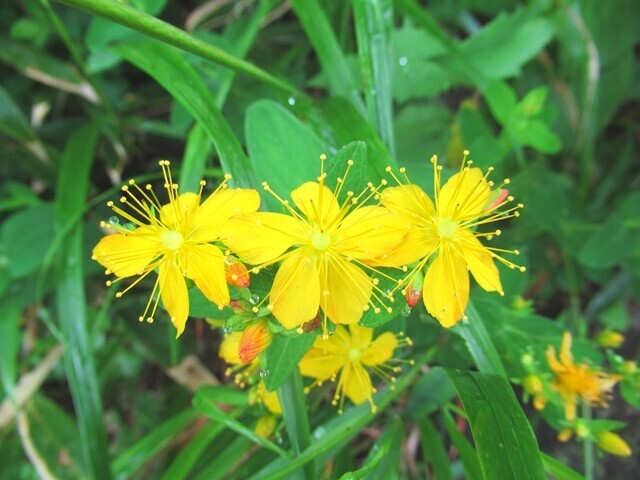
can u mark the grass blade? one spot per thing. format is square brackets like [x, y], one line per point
[318, 30]
[72, 187]
[374, 23]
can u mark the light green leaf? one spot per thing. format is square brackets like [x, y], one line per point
[608, 246]
[283, 356]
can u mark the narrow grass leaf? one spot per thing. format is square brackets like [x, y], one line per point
[170, 70]
[506, 444]
[374, 23]
[71, 193]
[433, 449]
[321, 36]
[9, 341]
[468, 455]
[559, 470]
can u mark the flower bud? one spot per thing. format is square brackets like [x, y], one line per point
[497, 198]
[414, 290]
[609, 339]
[565, 435]
[255, 339]
[532, 384]
[613, 444]
[265, 426]
[629, 366]
[236, 272]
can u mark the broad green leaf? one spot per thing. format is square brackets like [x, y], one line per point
[336, 167]
[430, 393]
[608, 246]
[506, 445]
[25, 236]
[283, 356]
[282, 149]
[71, 192]
[324, 42]
[374, 22]
[433, 449]
[533, 102]
[168, 68]
[502, 101]
[489, 52]
[479, 342]
[535, 133]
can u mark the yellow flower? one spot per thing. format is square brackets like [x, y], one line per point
[174, 238]
[577, 381]
[445, 238]
[323, 246]
[346, 356]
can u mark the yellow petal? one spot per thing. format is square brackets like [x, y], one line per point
[173, 290]
[446, 288]
[418, 243]
[320, 364]
[346, 289]
[480, 262]
[552, 360]
[204, 264]
[295, 294]
[357, 383]
[565, 350]
[381, 350]
[269, 399]
[318, 204]
[129, 254]
[218, 208]
[177, 213]
[260, 237]
[360, 336]
[408, 199]
[338, 344]
[229, 348]
[369, 232]
[466, 194]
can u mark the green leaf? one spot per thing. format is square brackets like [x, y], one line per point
[430, 393]
[324, 42]
[535, 133]
[433, 450]
[283, 356]
[502, 101]
[489, 52]
[479, 342]
[559, 470]
[199, 150]
[10, 310]
[506, 445]
[173, 72]
[205, 405]
[71, 193]
[608, 246]
[374, 22]
[26, 235]
[282, 149]
[153, 443]
[13, 122]
[468, 455]
[533, 102]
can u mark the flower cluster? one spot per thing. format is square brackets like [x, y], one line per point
[570, 384]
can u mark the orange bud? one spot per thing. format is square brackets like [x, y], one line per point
[236, 273]
[609, 339]
[413, 292]
[613, 444]
[255, 339]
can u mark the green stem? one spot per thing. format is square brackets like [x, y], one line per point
[294, 411]
[587, 445]
[153, 27]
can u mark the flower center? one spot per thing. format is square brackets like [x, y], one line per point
[447, 227]
[354, 354]
[320, 240]
[171, 239]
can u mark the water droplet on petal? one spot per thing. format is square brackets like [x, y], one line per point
[114, 220]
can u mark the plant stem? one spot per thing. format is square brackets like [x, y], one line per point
[294, 411]
[587, 445]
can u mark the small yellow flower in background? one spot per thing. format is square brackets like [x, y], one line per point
[534, 387]
[323, 247]
[613, 444]
[577, 381]
[346, 356]
[444, 236]
[175, 238]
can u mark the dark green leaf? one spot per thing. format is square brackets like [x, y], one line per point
[283, 356]
[433, 449]
[608, 246]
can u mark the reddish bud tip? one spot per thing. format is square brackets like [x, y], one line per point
[499, 196]
[255, 339]
[414, 290]
[236, 273]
